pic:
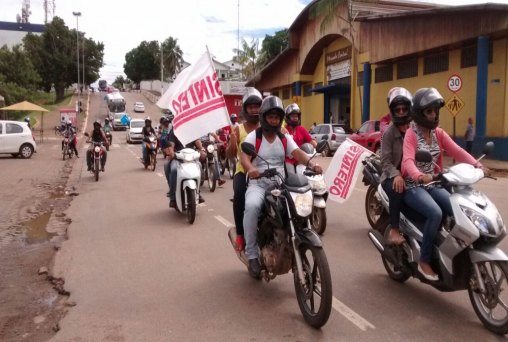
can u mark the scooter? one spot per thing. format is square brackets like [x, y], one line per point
[318, 218]
[466, 255]
[188, 176]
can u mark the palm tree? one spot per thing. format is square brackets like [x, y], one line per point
[248, 57]
[172, 57]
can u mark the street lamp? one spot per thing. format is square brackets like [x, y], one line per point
[162, 70]
[77, 15]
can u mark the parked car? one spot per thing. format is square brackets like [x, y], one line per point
[16, 139]
[335, 134]
[369, 136]
[139, 107]
[118, 123]
[134, 131]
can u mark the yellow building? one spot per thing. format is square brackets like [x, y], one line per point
[343, 71]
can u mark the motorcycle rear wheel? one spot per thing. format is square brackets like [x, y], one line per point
[191, 204]
[393, 272]
[315, 298]
[96, 169]
[318, 220]
[213, 175]
[376, 214]
[489, 306]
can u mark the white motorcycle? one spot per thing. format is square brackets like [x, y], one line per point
[466, 255]
[188, 176]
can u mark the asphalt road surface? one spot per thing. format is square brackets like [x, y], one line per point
[138, 271]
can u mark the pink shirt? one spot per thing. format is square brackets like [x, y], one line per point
[408, 166]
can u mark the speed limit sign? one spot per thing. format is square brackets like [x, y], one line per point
[454, 83]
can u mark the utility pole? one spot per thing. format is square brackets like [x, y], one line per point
[162, 70]
[77, 15]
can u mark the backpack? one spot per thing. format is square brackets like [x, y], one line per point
[259, 138]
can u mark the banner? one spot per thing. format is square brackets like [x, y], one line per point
[196, 100]
[346, 165]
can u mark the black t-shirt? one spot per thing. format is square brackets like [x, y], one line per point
[171, 138]
[147, 130]
[97, 135]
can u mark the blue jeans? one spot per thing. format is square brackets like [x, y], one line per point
[143, 150]
[254, 199]
[431, 203]
[395, 202]
[170, 171]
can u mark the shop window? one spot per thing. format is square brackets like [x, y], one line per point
[407, 68]
[286, 93]
[469, 54]
[359, 79]
[435, 63]
[306, 89]
[384, 73]
[275, 93]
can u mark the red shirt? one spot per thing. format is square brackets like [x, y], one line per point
[226, 132]
[300, 136]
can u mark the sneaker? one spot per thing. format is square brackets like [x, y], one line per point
[201, 199]
[102, 169]
[221, 181]
[167, 194]
[172, 204]
[254, 268]
[240, 243]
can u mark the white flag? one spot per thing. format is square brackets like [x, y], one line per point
[346, 165]
[196, 100]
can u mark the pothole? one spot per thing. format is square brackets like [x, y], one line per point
[34, 230]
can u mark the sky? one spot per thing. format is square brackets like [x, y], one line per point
[196, 24]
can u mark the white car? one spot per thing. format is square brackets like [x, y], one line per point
[134, 131]
[139, 107]
[16, 139]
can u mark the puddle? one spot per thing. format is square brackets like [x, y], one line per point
[35, 230]
[57, 194]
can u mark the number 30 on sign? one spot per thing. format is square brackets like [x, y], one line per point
[454, 83]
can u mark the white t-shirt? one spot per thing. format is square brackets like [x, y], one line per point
[273, 152]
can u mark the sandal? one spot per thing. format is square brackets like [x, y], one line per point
[397, 240]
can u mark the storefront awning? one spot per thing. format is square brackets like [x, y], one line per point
[332, 88]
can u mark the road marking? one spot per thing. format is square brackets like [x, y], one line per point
[352, 316]
[160, 175]
[340, 307]
[361, 190]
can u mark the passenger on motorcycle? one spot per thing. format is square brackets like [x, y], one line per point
[164, 130]
[433, 201]
[392, 181]
[107, 129]
[273, 150]
[99, 136]
[174, 145]
[147, 131]
[251, 102]
[70, 134]
[234, 120]
[300, 135]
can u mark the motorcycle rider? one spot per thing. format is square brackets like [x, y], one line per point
[164, 130]
[27, 120]
[433, 201]
[385, 120]
[70, 134]
[107, 128]
[147, 131]
[251, 102]
[300, 135]
[391, 179]
[272, 149]
[97, 135]
[174, 145]
[234, 120]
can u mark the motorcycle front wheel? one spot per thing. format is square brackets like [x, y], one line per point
[96, 169]
[315, 296]
[204, 174]
[491, 307]
[153, 161]
[213, 175]
[191, 204]
[376, 214]
[64, 152]
[318, 220]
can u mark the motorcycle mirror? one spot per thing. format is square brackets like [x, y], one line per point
[423, 156]
[249, 149]
[489, 148]
[321, 146]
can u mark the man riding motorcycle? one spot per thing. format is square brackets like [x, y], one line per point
[70, 134]
[273, 147]
[147, 131]
[99, 136]
[107, 129]
[300, 135]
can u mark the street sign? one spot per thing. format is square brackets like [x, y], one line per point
[454, 104]
[454, 83]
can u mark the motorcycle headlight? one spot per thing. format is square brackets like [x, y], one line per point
[210, 148]
[317, 184]
[479, 221]
[97, 149]
[303, 203]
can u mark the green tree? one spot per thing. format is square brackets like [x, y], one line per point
[172, 57]
[272, 46]
[119, 82]
[16, 67]
[53, 54]
[248, 57]
[141, 63]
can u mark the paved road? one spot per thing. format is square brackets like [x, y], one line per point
[139, 272]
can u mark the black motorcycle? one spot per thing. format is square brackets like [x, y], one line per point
[288, 243]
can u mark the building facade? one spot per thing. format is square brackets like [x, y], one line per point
[344, 70]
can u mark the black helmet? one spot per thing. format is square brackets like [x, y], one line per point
[97, 124]
[252, 96]
[148, 121]
[426, 98]
[271, 104]
[400, 96]
[165, 120]
[170, 117]
[106, 120]
[293, 109]
[234, 118]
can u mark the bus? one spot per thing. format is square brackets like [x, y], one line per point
[103, 84]
[116, 110]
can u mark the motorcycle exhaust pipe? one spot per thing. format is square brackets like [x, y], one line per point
[377, 240]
